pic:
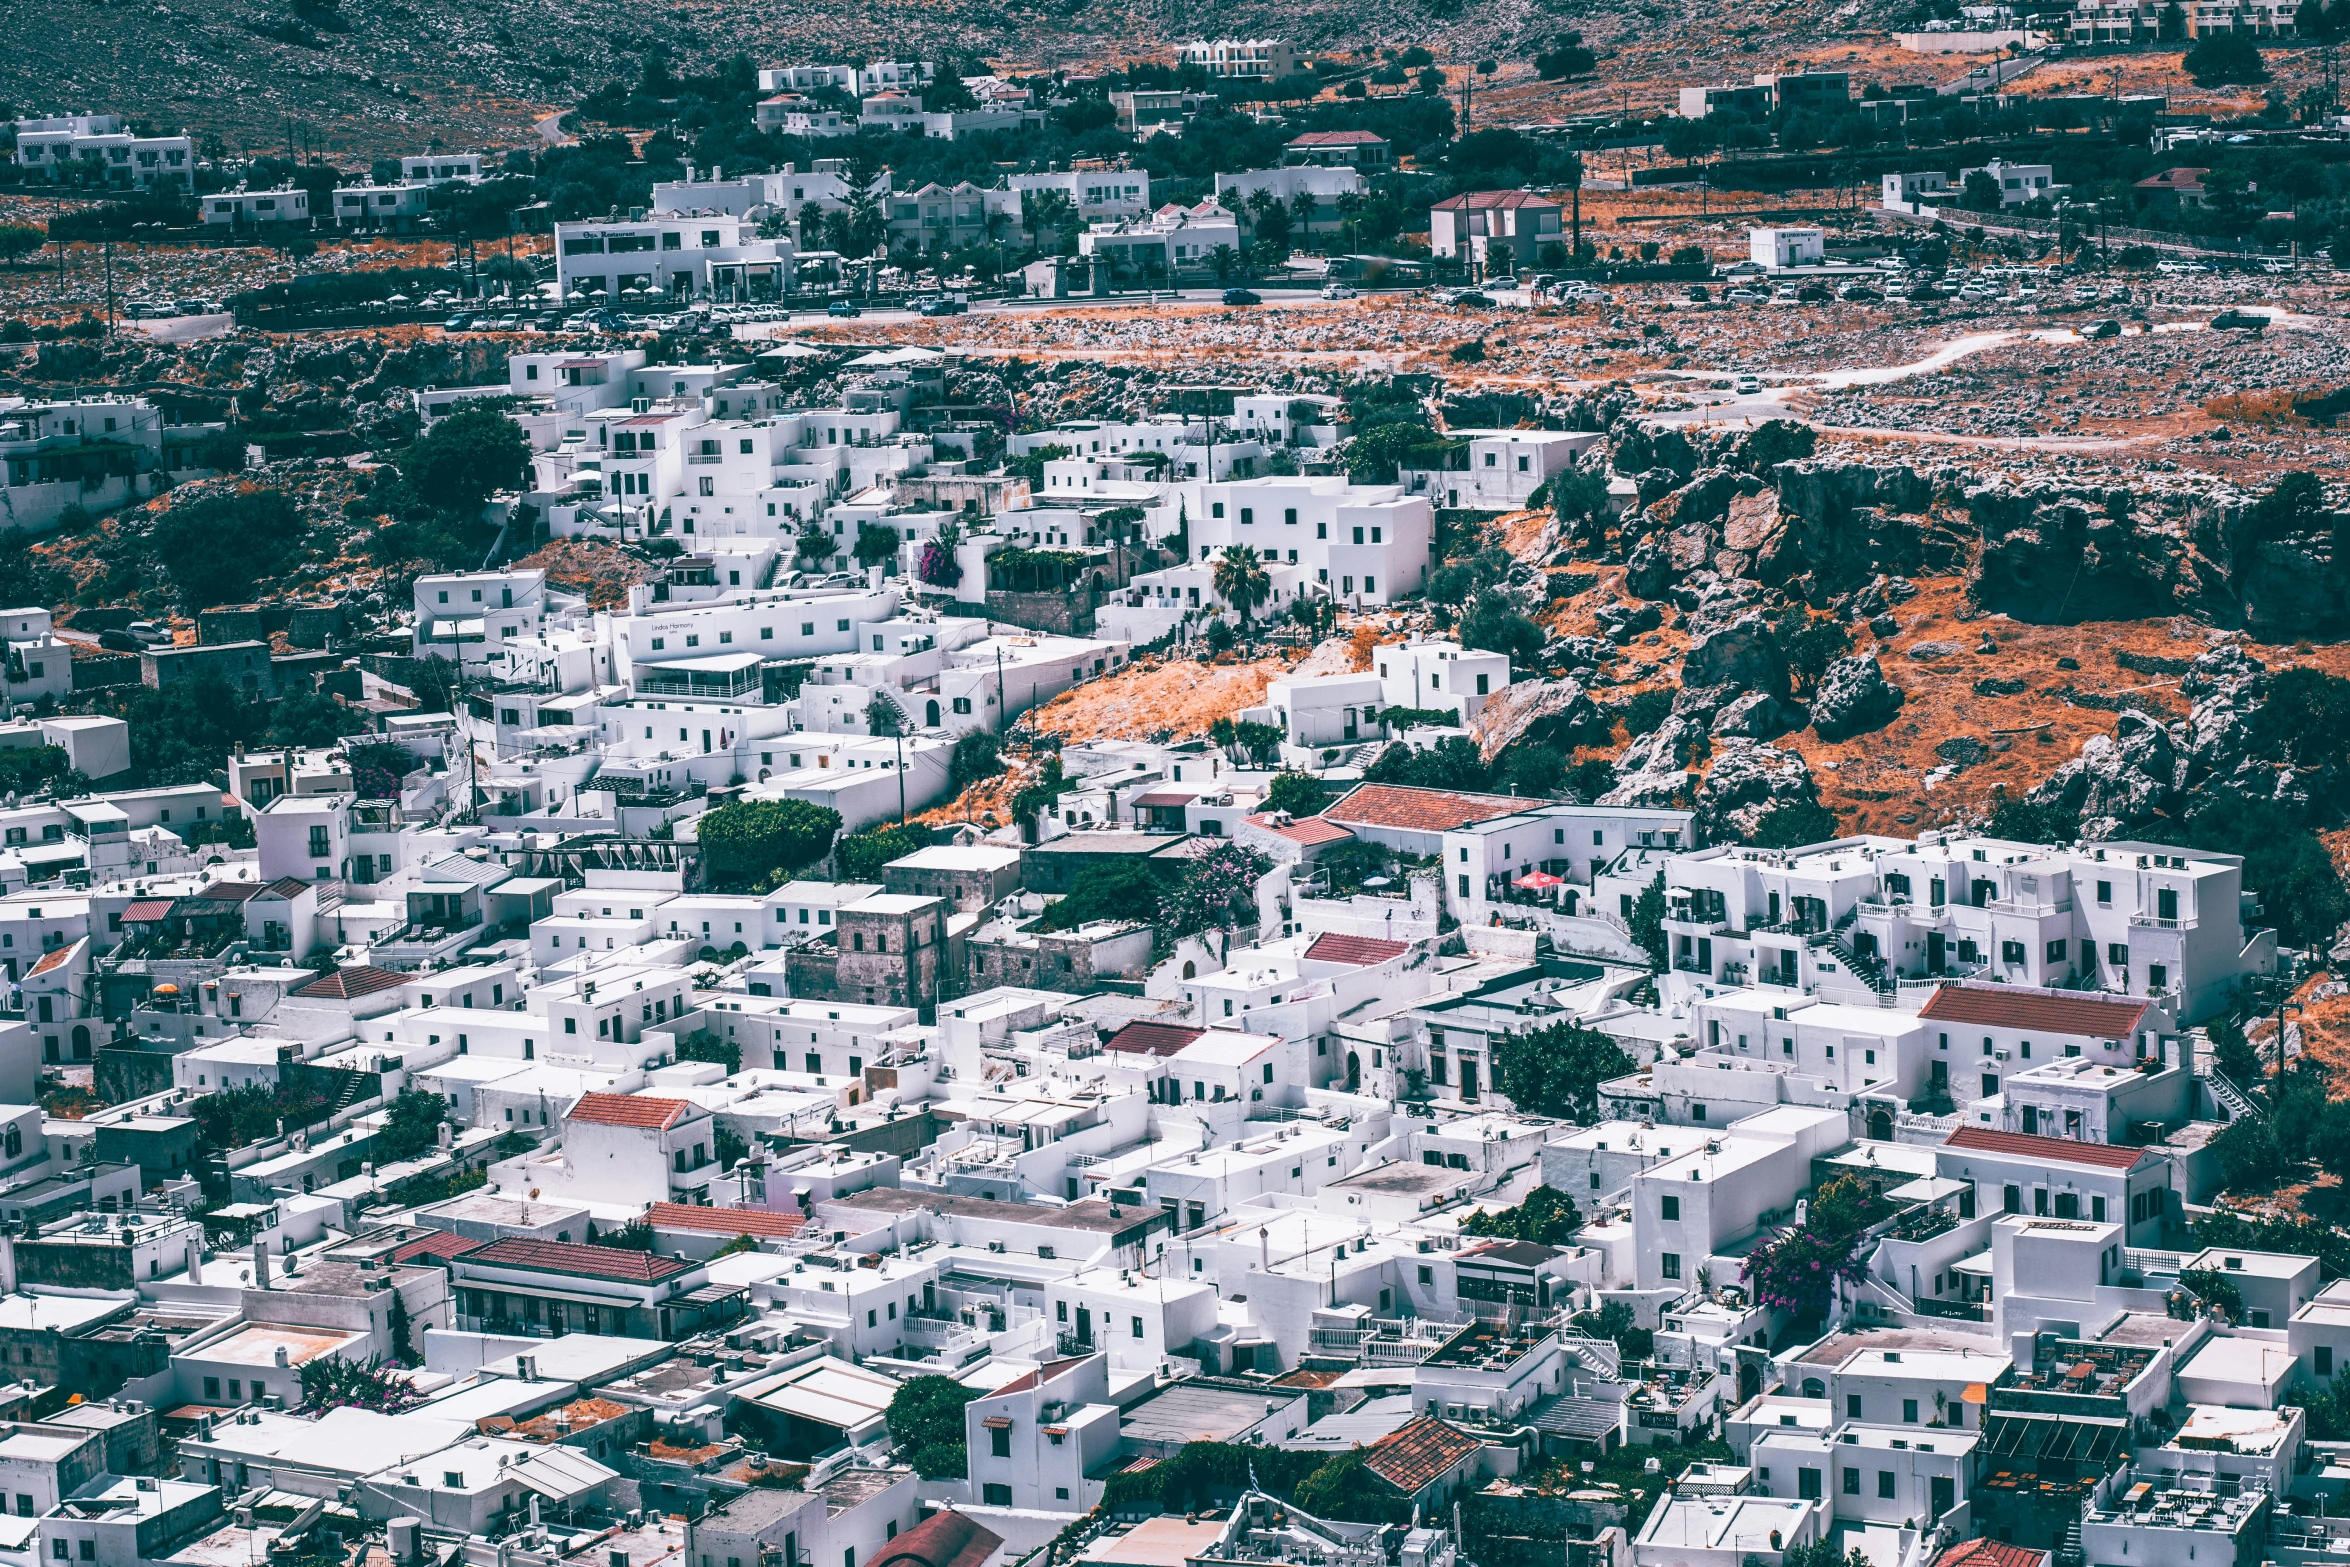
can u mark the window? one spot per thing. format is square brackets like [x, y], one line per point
[996, 1495]
[1885, 1485]
[1000, 1441]
[2323, 1359]
[1137, 1327]
[1807, 1485]
[1852, 1406]
[2013, 1200]
[1909, 1411]
[1672, 1261]
[2011, 952]
[1852, 1482]
[1672, 1207]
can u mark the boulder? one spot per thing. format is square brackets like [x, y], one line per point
[1620, 622]
[1577, 652]
[1649, 569]
[1757, 715]
[1853, 697]
[1747, 781]
[1552, 712]
[1744, 654]
[2120, 782]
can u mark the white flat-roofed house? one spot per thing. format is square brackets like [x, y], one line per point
[380, 206]
[440, 168]
[1737, 1530]
[1779, 248]
[1363, 544]
[668, 256]
[96, 149]
[1496, 470]
[249, 209]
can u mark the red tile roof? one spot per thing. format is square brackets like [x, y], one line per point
[1308, 830]
[628, 1110]
[2055, 1150]
[55, 958]
[1417, 810]
[1990, 1553]
[944, 1539]
[1037, 1378]
[288, 887]
[233, 891]
[349, 984]
[1338, 139]
[1419, 1455]
[440, 1243]
[1361, 951]
[2004, 1006]
[2185, 180]
[586, 1262]
[725, 1221]
[1165, 798]
[146, 910]
[1153, 1039]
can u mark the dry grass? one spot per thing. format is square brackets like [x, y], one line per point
[1173, 698]
[2261, 410]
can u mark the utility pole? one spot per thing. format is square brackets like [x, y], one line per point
[106, 245]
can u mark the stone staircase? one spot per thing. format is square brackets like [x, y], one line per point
[1871, 969]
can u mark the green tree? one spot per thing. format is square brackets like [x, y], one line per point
[1557, 1070]
[1345, 1489]
[1218, 889]
[19, 240]
[1812, 646]
[2249, 1161]
[2233, 1054]
[2226, 59]
[1372, 457]
[1494, 624]
[1119, 890]
[217, 546]
[1300, 794]
[1241, 580]
[464, 459]
[754, 845]
[411, 1126]
[977, 755]
[862, 855]
[877, 544]
[1452, 763]
[2291, 869]
[702, 1045]
[1793, 823]
[1648, 922]
[331, 1383]
[1980, 193]
[926, 1421]
[1546, 1216]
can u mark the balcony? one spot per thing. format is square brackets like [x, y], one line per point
[2031, 906]
[2156, 922]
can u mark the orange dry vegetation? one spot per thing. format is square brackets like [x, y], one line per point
[603, 573]
[1174, 697]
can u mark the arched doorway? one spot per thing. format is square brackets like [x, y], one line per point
[930, 713]
[1571, 897]
[1749, 1379]
[1881, 1124]
[1190, 969]
[1354, 1071]
[81, 1042]
[1813, 1387]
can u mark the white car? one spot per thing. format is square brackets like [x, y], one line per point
[1890, 264]
[1337, 291]
[148, 632]
[1748, 385]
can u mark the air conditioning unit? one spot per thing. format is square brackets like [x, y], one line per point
[995, 1245]
[1998, 1055]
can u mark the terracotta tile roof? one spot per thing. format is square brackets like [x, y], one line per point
[1165, 798]
[2186, 180]
[2003, 1006]
[1337, 139]
[1308, 830]
[349, 984]
[2055, 1150]
[1037, 1378]
[944, 1539]
[628, 1110]
[232, 891]
[147, 910]
[586, 1262]
[1361, 951]
[1417, 810]
[1153, 1039]
[1419, 1455]
[1990, 1553]
[288, 887]
[725, 1221]
[440, 1244]
[55, 958]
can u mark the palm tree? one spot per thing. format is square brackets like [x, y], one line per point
[1241, 580]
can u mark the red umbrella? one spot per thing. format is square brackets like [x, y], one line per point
[1541, 879]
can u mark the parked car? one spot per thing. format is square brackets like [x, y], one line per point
[1813, 294]
[943, 307]
[458, 324]
[120, 641]
[1746, 296]
[148, 633]
[2239, 321]
[1337, 291]
[1471, 299]
[1857, 294]
[844, 307]
[1748, 385]
[2180, 268]
[1241, 296]
[2098, 332]
[1698, 294]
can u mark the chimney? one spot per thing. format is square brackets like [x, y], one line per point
[196, 1257]
[284, 1361]
[261, 1265]
[8, 1261]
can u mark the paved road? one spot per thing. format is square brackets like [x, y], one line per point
[184, 329]
[1284, 299]
[550, 129]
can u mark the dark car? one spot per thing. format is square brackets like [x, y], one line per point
[1241, 296]
[1470, 299]
[460, 323]
[943, 307]
[2239, 321]
[121, 642]
[2097, 332]
[842, 307]
[1812, 294]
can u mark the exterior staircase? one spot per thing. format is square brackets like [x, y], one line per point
[1872, 970]
[1599, 1356]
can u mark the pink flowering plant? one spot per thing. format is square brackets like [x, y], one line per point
[1219, 888]
[1799, 1271]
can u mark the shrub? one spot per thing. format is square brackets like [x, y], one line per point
[752, 845]
[926, 1421]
